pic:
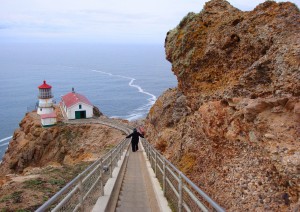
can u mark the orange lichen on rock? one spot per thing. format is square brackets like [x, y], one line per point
[237, 105]
[35, 146]
[39, 161]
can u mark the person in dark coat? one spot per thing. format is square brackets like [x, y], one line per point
[135, 139]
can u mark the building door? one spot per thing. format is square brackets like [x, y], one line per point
[80, 114]
[77, 114]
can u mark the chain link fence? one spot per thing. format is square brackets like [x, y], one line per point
[182, 194]
[82, 193]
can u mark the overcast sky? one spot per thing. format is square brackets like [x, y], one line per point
[102, 21]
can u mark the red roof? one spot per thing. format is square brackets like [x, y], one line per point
[49, 115]
[71, 99]
[45, 85]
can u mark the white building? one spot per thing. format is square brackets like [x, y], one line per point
[76, 106]
[45, 106]
[48, 120]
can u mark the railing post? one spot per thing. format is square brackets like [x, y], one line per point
[121, 150]
[119, 153]
[155, 167]
[149, 152]
[180, 193]
[150, 158]
[150, 155]
[81, 194]
[101, 177]
[147, 147]
[164, 176]
[111, 165]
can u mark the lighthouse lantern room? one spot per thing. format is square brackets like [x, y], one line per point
[45, 105]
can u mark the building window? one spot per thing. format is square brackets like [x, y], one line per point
[79, 106]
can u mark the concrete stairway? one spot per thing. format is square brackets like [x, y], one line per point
[137, 193]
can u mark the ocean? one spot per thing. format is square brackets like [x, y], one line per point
[121, 80]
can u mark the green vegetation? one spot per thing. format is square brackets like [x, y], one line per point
[50, 181]
[61, 175]
[45, 198]
[69, 134]
[57, 182]
[109, 147]
[14, 197]
[172, 206]
[34, 183]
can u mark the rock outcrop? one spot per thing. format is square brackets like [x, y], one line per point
[233, 123]
[35, 146]
[40, 161]
[97, 112]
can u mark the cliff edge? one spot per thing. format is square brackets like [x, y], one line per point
[233, 123]
[40, 161]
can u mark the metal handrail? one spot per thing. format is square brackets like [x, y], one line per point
[189, 197]
[60, 199]
[191, 201]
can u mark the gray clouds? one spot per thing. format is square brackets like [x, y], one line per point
[122, 21]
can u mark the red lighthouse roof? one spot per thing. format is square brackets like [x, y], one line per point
[45, 86]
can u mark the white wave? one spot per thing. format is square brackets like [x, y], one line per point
[4, 144]
[151, 101]
[153, 97]
[131, 117]
[4, 139]
[135, 117]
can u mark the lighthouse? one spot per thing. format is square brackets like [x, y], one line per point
[45, 105]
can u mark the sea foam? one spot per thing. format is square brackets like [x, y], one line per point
[5, 139]
[140, 111]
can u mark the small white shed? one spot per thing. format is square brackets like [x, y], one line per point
[76, 106]
[48, 119]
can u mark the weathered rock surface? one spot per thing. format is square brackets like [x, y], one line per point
[233, 123]
[35, 146]
[223, 52]
[40, 161]
[97, 112]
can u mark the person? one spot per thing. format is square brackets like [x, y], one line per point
[135, 139]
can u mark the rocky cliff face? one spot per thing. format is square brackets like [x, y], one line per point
[233, 123]
[35, 146]
[40, 161]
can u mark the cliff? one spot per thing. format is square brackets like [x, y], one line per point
[233, 123]
[39, 161]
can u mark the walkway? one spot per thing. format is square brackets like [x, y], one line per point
[133, 186]
[137, 192]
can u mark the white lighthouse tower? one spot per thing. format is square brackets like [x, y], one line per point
[45, 99]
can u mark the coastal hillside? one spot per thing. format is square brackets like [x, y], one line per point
[233, 123]
[40, 161]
